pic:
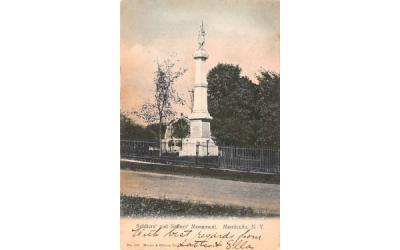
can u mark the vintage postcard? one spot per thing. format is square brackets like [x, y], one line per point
[200, 124]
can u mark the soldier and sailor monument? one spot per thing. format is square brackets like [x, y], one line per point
[200, 142]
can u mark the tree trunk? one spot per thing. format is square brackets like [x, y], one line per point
[159, 135]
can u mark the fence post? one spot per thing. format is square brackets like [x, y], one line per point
[197, 152]
[207, 154]
[219, 156]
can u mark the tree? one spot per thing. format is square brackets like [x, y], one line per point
[268, 105]
[231, 104]
[160, 109]
[130, 130]
[244, 113]
[153, 128]
[181, 128]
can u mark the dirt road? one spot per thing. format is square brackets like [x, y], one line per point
[206, 190]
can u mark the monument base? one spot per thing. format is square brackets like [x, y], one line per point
[198, 146]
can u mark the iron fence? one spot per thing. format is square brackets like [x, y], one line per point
[132, 148]
[264, 160]
[249, 159]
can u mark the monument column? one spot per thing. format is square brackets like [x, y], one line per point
[200, 133]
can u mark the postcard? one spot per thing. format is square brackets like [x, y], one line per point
[200, 124]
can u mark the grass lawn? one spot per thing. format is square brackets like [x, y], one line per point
[202, 172]
[133, 206]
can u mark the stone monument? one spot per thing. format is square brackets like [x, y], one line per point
[200, 141]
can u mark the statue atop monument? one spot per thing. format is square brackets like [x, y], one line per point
[201, 37]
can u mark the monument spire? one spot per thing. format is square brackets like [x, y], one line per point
[200, 142]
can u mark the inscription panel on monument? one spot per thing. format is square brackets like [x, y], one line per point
[206, 130]
[195, 130]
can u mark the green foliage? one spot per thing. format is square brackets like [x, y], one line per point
[142, 206]
[231, 104]
[268, 105]
[181, 128]
[243, 113]
[154, 129]
[129, 130]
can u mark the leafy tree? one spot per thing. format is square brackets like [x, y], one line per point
[130, 130]
[154, 128]
[268, 105]
[231, 104]
[243, 113]
[160, 109]
[181, 128]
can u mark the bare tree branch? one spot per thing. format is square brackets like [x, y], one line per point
[165, 94]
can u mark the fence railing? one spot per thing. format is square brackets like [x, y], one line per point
[228, 157]
[249, 159]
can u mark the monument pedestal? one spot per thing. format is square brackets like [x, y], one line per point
[200, 142]
[199, 147]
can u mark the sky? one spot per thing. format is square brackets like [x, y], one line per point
[240, 32]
